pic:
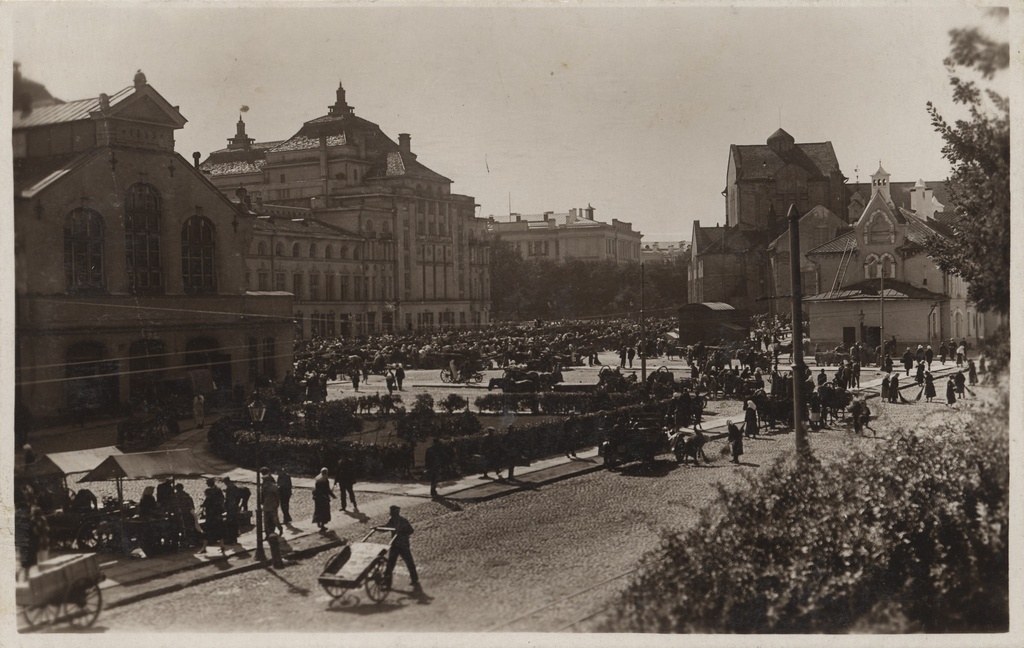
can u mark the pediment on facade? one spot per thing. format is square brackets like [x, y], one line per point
[146, 105]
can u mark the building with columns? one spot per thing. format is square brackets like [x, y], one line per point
[573, 234]
[129, 263]
[416, 250]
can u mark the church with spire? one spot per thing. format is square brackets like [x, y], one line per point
[367, 237]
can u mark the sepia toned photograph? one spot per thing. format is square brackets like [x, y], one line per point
[507, 323]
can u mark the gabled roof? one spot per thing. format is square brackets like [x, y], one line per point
[900, 192]
[867, 290]
[235, 161]
[32, 175]
[397, 164]
[877, 202]
[838, 245]
[305, 226]
[728, 240]
[760, 162]
[84, 109]
[816, 211]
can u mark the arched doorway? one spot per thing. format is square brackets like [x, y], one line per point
[146, 361]
[92, 383]
[205, 353]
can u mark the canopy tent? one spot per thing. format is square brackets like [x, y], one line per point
[146, 465]
[69, 463]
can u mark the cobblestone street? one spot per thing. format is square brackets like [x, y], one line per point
[543, 560]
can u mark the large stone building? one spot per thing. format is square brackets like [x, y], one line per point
[129, 264]
[573, 234]
[416, 254]
[727, 264]
[878, 280]
[763, 180]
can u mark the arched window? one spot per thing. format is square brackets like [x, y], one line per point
[83, 250]
[279, 249]
[296, 250]
[261, 248]
[343, 252]
[329, 252]
[871, 266]
[888, 266]
[312, 250]
[142, 238]
[879, 229]
[197, 254]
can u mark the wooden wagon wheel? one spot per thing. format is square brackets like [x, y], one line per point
[376, 584]
[331, 567]
[40, 615]
[83, 603]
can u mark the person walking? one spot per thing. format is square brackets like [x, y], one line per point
[919, 377]
[213, 511]
[929, 386]
[750, 422]
[622, 357]
[434, 461]
[950, 392]
[961, 384]
[345, 478]
[271, 503]
[943, 352]
[961, 354]
[401, 530]
[630, 354]
[284, 485]
[894, 388]
[928, 355]
[232, 511]
[322, 496]
[972, 373]
[390, 382]
[198, 410]
[908, 360]
[735, 439]
[855, 374]
[490, 449]
[399, 376]
[355, 379]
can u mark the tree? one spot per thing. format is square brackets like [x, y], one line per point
[979, 150]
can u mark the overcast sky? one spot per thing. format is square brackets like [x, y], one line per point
[631, 110]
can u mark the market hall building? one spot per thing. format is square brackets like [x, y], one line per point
[388, 246]
[129, 263]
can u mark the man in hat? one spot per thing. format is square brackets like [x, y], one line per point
[271, 502]
[400, 531]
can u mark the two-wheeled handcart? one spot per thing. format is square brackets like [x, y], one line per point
[360, 564]
[62, 589]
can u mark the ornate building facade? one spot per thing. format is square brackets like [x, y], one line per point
[129, 263]
[416, 251]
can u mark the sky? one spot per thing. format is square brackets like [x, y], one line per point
[629, 109]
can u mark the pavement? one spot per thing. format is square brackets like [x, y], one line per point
[129, 579]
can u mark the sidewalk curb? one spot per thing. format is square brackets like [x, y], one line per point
[207, 578]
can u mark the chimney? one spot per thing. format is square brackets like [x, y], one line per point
[590, 212]
[404, 143]
[241, 194]
[195, 158]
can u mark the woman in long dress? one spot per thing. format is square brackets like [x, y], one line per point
[322, 496]
[929, 386]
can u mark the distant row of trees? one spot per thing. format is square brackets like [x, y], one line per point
[525, 289]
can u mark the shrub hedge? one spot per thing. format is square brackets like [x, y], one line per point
[557, 402]
[910, 537]
[232, 439]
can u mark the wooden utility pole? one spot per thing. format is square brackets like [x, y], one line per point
[797, 360]
[643, 330]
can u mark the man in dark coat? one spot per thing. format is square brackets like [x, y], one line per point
[345, 477]
[399, 376]
[908, 360]
[434, 461]
[284, 486]
[401, 531]
[735, 441]
[894, 388]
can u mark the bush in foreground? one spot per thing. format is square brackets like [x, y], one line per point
[911, 537]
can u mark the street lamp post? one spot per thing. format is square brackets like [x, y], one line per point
[256, 412]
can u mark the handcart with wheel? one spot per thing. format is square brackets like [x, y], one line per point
[360, 564]
[62, 589]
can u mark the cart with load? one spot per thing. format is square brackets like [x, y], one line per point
[62, 589]
[360, 564]
[641, 439]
